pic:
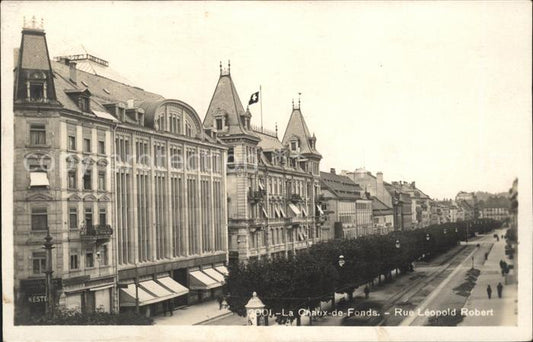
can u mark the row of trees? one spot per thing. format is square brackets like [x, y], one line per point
[302, 281]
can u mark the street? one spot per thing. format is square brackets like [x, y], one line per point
[433, 294]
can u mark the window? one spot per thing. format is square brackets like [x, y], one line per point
[37, 134]
[39, 219]
[104, 255]
[89, 258]
[191, 160]
[87, 180]
[37, 91]
[219, 123]
[101, 147]
[188, 129]
[101, 181]
[103, 216]
[73, 218]
[71, 142]
[74, 261]
[83, 103]
[88, 217]
[39, 262]
[231, 157]
[72, 179]
[86, 145]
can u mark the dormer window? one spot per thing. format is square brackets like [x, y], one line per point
[36, 91]
[295, 145]
[219, 124]
[84, 104]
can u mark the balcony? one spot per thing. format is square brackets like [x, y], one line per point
[295, 198]
[255, 197]
[96, 233]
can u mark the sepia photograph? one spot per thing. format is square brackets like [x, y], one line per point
[266, 171]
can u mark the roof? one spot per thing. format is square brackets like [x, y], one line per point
[225, 101]
[379, 205]
[298, 128]
[341, 186]
[268, 142]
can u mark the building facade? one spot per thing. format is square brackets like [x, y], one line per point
[128, 184]
[272, 185]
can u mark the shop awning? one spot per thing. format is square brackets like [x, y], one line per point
[173, 286]
[104, 115]
[294, 209]
[264, 212]
[260, 184]
[304, 212]
[39, 179]
[214, 274]
[127, 296]
[201, 281]
[222, 269]
[282, 212]
[159, 291]
[278, 215]
[320, 210]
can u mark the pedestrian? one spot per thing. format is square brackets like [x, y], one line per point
[486, 256]
[171, 307]
[367, 291]
[165, 308]
[219, 300]
[500, 289]
[489, 291]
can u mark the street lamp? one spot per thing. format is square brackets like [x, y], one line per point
[48, 246]
[397, 244]
[445, 231]
[341, 260]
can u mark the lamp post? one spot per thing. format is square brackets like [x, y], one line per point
[48, 246]
[427, 239]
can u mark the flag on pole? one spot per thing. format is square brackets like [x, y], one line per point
[254, 98]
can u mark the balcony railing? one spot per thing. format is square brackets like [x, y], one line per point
[256, 196]
[295, 198]
[96, 232]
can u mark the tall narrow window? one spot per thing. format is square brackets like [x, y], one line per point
[73, 218]
[101, 147]
[103, 216]
[39, 219]
[219, 124]
[74, 260]
[39, 262]
[89, 258]
[37, 91]
[188, 129]
[86, 145]
[104, 255]
[37, 134]
[87, 179]
[101, 181]
[84, 103]
[72, 179]
[71, 142]
[88, 217]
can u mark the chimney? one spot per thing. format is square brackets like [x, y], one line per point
[72, 69]
[332, 170]
[413, 185]
[130, 103]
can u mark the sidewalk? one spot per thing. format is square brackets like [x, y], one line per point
[194, 314]
[505, 308]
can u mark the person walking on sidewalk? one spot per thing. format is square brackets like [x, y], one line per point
[500, 289]
[489, 291]
[367, 291]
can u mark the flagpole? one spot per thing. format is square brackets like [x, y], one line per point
[261, 104]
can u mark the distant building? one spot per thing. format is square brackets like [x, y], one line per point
[420, 203]
[383, 216]
[272, 185]
[495, 207]
[402, 207]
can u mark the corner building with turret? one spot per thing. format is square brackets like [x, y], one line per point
[272, 185]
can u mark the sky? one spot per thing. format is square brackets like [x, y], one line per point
[433, 92]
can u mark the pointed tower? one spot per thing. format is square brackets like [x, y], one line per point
[227, 117]
[300, 142]
[34, 81]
